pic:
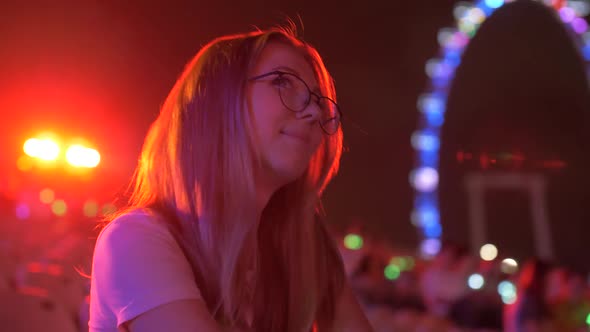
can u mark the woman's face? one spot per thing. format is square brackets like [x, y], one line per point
[286, 139]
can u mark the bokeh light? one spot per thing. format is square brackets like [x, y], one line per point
[46, 196]
[45, 149]
[80, 156]
[59, 207]
[488, 252]
[580, 7]
[457, 42]
[467, 27]
[445, 36]
[392, 272]
[430, 248]
[425, 216]
[461, 9]
[437, 68]
[424, 179]
[475, 15]
[475, 281]
[425, 142]
[567, 14]
[90, 208]
[433, 230]
[509, 299]
[353, 241]
[507, 291]
[431, 103]
[404, 263]
[494, 3]
[509, 266]
[22, 211]
[580, 25]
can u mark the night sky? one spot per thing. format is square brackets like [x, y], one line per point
[101, 69]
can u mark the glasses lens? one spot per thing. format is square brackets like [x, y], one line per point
[330, 119]
[294, 93]
[295, 96]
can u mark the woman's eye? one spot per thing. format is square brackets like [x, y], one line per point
[282, 82]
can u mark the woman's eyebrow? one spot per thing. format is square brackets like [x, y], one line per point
[287, 69]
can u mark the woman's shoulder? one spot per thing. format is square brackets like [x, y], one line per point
[136, 222]
[136, 231]
[141, 216]
[137, 266]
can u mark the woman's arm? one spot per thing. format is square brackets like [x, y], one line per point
[178, 316]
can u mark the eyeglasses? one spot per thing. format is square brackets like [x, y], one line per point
[296, 95]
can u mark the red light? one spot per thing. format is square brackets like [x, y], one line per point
[460, 157]
[484, 161]
[553, 164]
[81, 156]
[44, 149]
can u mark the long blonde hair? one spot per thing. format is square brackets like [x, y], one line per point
[197, 169]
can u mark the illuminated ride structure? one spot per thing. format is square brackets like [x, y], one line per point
[502, 143]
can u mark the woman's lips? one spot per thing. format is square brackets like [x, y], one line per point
[299, 136]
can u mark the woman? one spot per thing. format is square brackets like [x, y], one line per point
[222, 231]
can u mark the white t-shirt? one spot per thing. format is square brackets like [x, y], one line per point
[137, 266]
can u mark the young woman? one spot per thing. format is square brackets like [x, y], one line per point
[222, 231]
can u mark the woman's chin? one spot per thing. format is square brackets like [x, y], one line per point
[288, 172]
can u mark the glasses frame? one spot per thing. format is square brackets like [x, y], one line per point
[310, 93]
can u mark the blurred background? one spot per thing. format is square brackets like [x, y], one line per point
[464, 182]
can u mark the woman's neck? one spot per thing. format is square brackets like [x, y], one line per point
[266, 186]
[263, 194]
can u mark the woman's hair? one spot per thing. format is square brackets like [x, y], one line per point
[197, 169]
